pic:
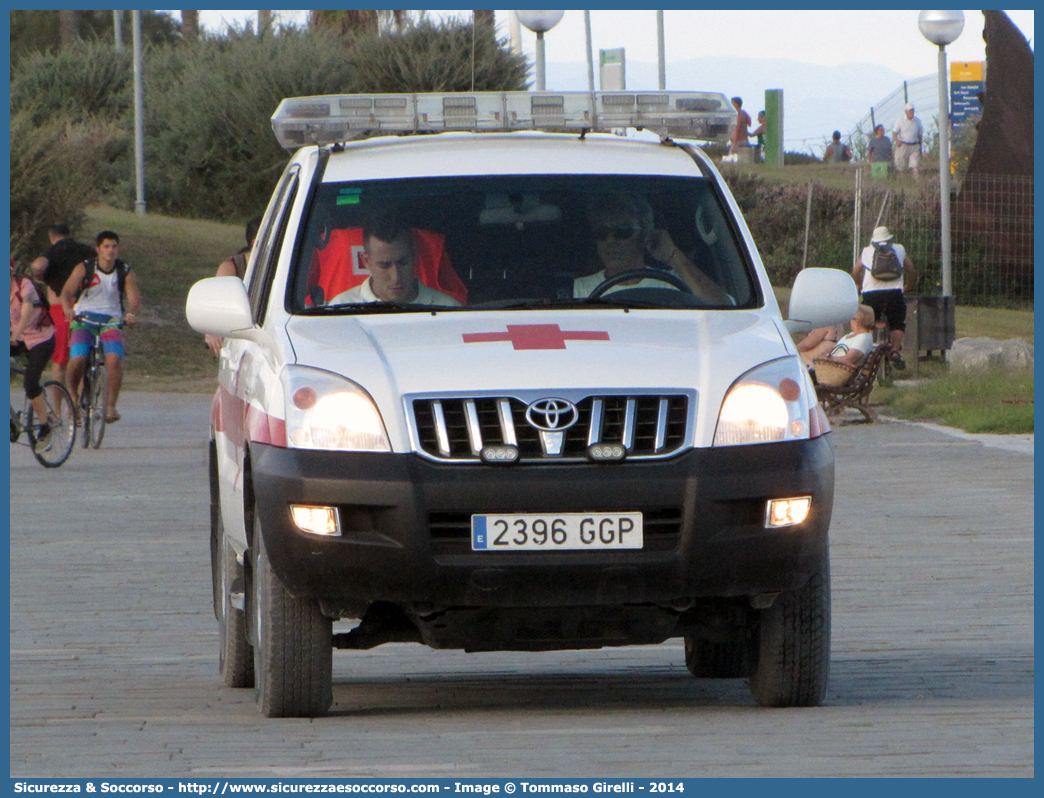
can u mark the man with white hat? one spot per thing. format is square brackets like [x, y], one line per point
[908, 135]
[883, 272]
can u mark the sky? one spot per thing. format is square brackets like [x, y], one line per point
[826, 38]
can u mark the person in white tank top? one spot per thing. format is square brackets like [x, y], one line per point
[97, 310]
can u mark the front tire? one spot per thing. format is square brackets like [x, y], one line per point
[63, 430]
[293, 651]
[791, 645]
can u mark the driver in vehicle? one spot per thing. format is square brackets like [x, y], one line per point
[390, 255]
[626, 241]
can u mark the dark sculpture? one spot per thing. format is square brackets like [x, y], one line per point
[1005, 141]
[992, 223]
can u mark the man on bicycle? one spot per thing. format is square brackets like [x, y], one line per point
[883, 272]
[31, 330]
[53, 268]
[93, 300]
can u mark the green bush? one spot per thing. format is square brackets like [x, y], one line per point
[798, 159]
[89, 80]
[436, 57]
[775, 214]
[90, 87]
[210, 152]
[210, 149]
[39, 31]
[54, 174]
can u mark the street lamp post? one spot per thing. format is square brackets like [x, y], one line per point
[661, 61]
[942, 28]
[590, 52]
[539, 22]
[139, 119]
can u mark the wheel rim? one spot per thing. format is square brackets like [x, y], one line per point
[63, 430]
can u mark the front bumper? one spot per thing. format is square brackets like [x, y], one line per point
[406, 524]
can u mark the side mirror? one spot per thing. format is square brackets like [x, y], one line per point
[220, 306]
[821, 298]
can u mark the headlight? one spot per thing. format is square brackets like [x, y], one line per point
[327, 411]
[768, 403]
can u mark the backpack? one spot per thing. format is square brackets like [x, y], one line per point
[886, 265]
[121, 277]
[45, 304]
[41, 295]
[239, 260]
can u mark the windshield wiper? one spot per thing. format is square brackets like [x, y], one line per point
[372, 307]
[556, 304]
[519, 304]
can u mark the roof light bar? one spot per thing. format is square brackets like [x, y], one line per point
[329, 119]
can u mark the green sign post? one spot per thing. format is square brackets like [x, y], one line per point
[773, 154]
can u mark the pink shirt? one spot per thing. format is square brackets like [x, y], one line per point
[22, 291]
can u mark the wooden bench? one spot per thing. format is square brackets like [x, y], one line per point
[855, 393]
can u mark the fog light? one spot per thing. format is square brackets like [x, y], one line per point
[606, 452]
[316, 520]
[787, 512]
[504, 454]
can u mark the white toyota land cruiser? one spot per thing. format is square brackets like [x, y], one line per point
[498, 381]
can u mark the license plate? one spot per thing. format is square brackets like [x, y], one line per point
[561, 531]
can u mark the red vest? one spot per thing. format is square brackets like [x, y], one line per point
[336, 268]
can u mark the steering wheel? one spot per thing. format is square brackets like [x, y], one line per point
[641, 274]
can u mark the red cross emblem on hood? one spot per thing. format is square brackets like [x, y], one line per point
[536, 336]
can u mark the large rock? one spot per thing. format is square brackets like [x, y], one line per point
[971, 355]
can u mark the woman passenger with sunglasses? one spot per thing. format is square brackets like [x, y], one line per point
[625, 240]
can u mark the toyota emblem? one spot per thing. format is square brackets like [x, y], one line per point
[552, 415]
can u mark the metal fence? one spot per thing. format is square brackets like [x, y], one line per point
[991, 235]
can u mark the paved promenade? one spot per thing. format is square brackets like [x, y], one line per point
[114, 645]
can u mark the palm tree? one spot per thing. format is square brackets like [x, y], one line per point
[346, 21]
[353, 21]
[190, 25]
[69, 27]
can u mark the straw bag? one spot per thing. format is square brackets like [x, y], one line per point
[832, 373]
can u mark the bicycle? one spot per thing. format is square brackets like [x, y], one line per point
[51, 444]
[94, 390]
[883, 337]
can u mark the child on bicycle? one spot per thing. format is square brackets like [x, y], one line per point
[32, 330]
[93, 299]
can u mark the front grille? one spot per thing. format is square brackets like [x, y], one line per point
[450, 531]
[456, 429]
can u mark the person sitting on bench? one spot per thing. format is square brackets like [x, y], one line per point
[855, 346]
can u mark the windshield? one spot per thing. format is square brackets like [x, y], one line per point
[516, 242]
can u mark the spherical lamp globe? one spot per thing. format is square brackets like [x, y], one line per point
[539, 21]
[940, 27]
